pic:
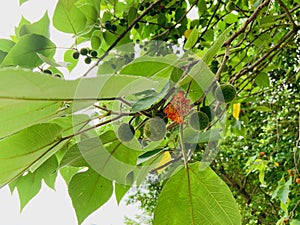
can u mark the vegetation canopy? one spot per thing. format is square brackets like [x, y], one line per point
[197, 102]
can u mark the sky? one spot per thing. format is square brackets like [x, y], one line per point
[48, 207]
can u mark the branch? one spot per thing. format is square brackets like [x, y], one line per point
[248, 21]
[121, 36]
[288, 14]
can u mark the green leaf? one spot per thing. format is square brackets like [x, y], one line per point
[24, 52]
[192, 136]
[196, 197]
[6, 45]
[68, 172]
[295, 222]
[68, 18]
[33, 86]
[40, 27]
[147, 101]
[283, 189]
[21, 2]
[120, 191]
[106, 155]
[29, 185]
[89, 191]
[213, 50]
[132, 14]
[192, 40]
[68, 58]
[19, 151]
[262, 80]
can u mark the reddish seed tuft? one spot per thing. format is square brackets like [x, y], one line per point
[178, 108]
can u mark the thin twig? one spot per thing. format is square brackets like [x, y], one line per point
[288, 14]
[121, 36]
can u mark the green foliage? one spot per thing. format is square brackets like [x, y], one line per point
[140, 55]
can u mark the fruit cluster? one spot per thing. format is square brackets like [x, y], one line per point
[88, 53]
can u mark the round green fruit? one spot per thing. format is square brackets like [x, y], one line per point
[126, 132]
[198, 120]
[83, 51]
[75, 55]
[94, 53]
[225, 93]
[87, 60]
[230, 6]
[155, 129]
[208, 111]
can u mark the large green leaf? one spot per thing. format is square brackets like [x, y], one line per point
[196, 197]
[29, 185]
[23, 53]
[68, 18]
[89, 191]
[32, 86]
[106, 154]
[16, 115]
[40, 27]
[19, 151]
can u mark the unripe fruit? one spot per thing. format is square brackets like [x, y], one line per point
[230, 6]
[48, 72]
[155, 129]
[94, 53]
[198, 120]
[126, 132]
[107, 25]
[75, 55]
[113, 28]
[87, 60]
[297, 180]
[225, 93]
[208, 112]
[83, 51]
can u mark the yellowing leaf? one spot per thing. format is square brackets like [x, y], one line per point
[187, 33]
[165, 159]
[236, 110]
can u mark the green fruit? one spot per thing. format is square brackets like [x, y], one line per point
[75, 55]
[107, 25]
[207, 110]
[94, 53]
[230, 6]
[87, 60]
[113, 28]
[198, 120]
[57, 75]
[83, 51]
[155, 129]
[126, 132]
[225, 93]
[48, 72]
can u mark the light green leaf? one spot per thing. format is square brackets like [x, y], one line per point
[68, 172]
[29, 185]
[24, 52]
[40, 27]
[89, 191]
[6, 45]
[51, 62]
[106, 155]
[196, 197]
[192, 40]
[295, 222]
[192, 136]
[213, 50]
[68, 18]
[283, 189]
[33, 86]
[68, 58]
[262, 80]
[120, 191]
[19, 151]
[21, 2]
